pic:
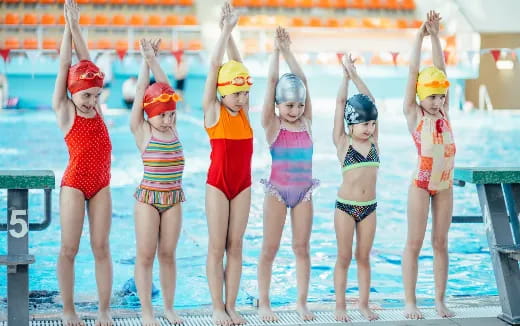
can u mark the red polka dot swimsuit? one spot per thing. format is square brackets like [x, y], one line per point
[89, 151]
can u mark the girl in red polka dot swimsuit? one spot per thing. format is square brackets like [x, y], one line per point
[85, 183]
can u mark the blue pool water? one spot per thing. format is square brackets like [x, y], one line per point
[31, 140]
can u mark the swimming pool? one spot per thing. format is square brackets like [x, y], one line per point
[32, 140]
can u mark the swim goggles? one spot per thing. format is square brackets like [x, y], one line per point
[238, 81]
[164, 98]
[435, 84]
[92, 75]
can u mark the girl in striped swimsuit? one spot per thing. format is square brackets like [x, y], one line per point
[291, 183]
[158, 211]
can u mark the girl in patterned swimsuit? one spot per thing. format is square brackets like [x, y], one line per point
[430, 128]
[355, 211]
[158, 211]
[86, 181]
[291, 183]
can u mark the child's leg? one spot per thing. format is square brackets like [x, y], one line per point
[442, 210]
[238, 216]
[274, 220]
[344, 226]
[365, 231]
[100, 218]
[170, 229]
[72, 214]
[217, 213]
[301, 221]
[418, 204]
[147, 222]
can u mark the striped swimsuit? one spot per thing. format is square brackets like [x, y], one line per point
[163, 162]
[291, 179]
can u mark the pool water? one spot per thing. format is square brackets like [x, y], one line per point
[32, 140]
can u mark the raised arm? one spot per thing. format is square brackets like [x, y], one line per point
[137, 120]
[151, 60]
[294, 66]
[432, 27]
[210, 102]
[59, 97]
[354, 76]
[338, 132]
[268, 114]
[410, 103]
[232, 49]
[72, 17]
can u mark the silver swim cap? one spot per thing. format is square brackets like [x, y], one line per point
[290, 88]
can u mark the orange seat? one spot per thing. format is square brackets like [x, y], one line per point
[30, 1]
[12, 43]
[185, 2]
[165, 45]
[12, 18]
[408, 5]
[315, 22]
[368, 23]
[401, 23]
[245, 21]
[119, 20]
[48, 19]
[239, 3]
[134, 2]
[392, 5]
[100, 2]
[83, 2]
[12, 1]
[342, 4]
[325, 4]
[350, 22]
[91, 44]
[136, 20]
[358, 4]
[30, 43]
[332, 22]
[297, 22]
[101, 19]
[104, 44]
[189, 20]
[30, 19]
[272, 3]
[195, 45]
[171, 20]
[154, 20]
[61, 20]
[168, 2]
[415, 23]
[256, 3]
[50, 44]
[121, 44]
[85, 19]
[375, 4]
[151, 2]
[289, 3]
[306, 3]
[47, 2]
[385, 23]
[117, 2]
[180, 45]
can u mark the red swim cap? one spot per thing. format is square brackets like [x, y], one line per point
[84, 75]
[159, 98]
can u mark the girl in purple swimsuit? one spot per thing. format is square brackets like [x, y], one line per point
[290, 185]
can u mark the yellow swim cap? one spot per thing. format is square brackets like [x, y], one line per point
[431, 81]
[233, 77]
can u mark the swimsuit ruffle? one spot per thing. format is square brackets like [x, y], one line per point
[171, 197]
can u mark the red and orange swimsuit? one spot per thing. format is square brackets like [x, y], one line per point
[89, 156]
[231, 152]
[436, 148]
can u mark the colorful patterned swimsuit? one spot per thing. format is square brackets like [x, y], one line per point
[163, 162]
[291, 171]
[436, 148]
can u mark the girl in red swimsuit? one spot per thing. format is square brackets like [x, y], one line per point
[228, 187]
[87, 177]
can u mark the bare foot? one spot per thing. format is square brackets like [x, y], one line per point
[412, 312]
[71, 319]
[235, 317]
[149, 320]
[104, 318]
[304, 312]
[368, 313]
[220, 317]
[341, 315]
[443, 311]
[266, 314]
[172, 317]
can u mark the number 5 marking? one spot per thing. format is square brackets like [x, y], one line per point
[15, 220]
